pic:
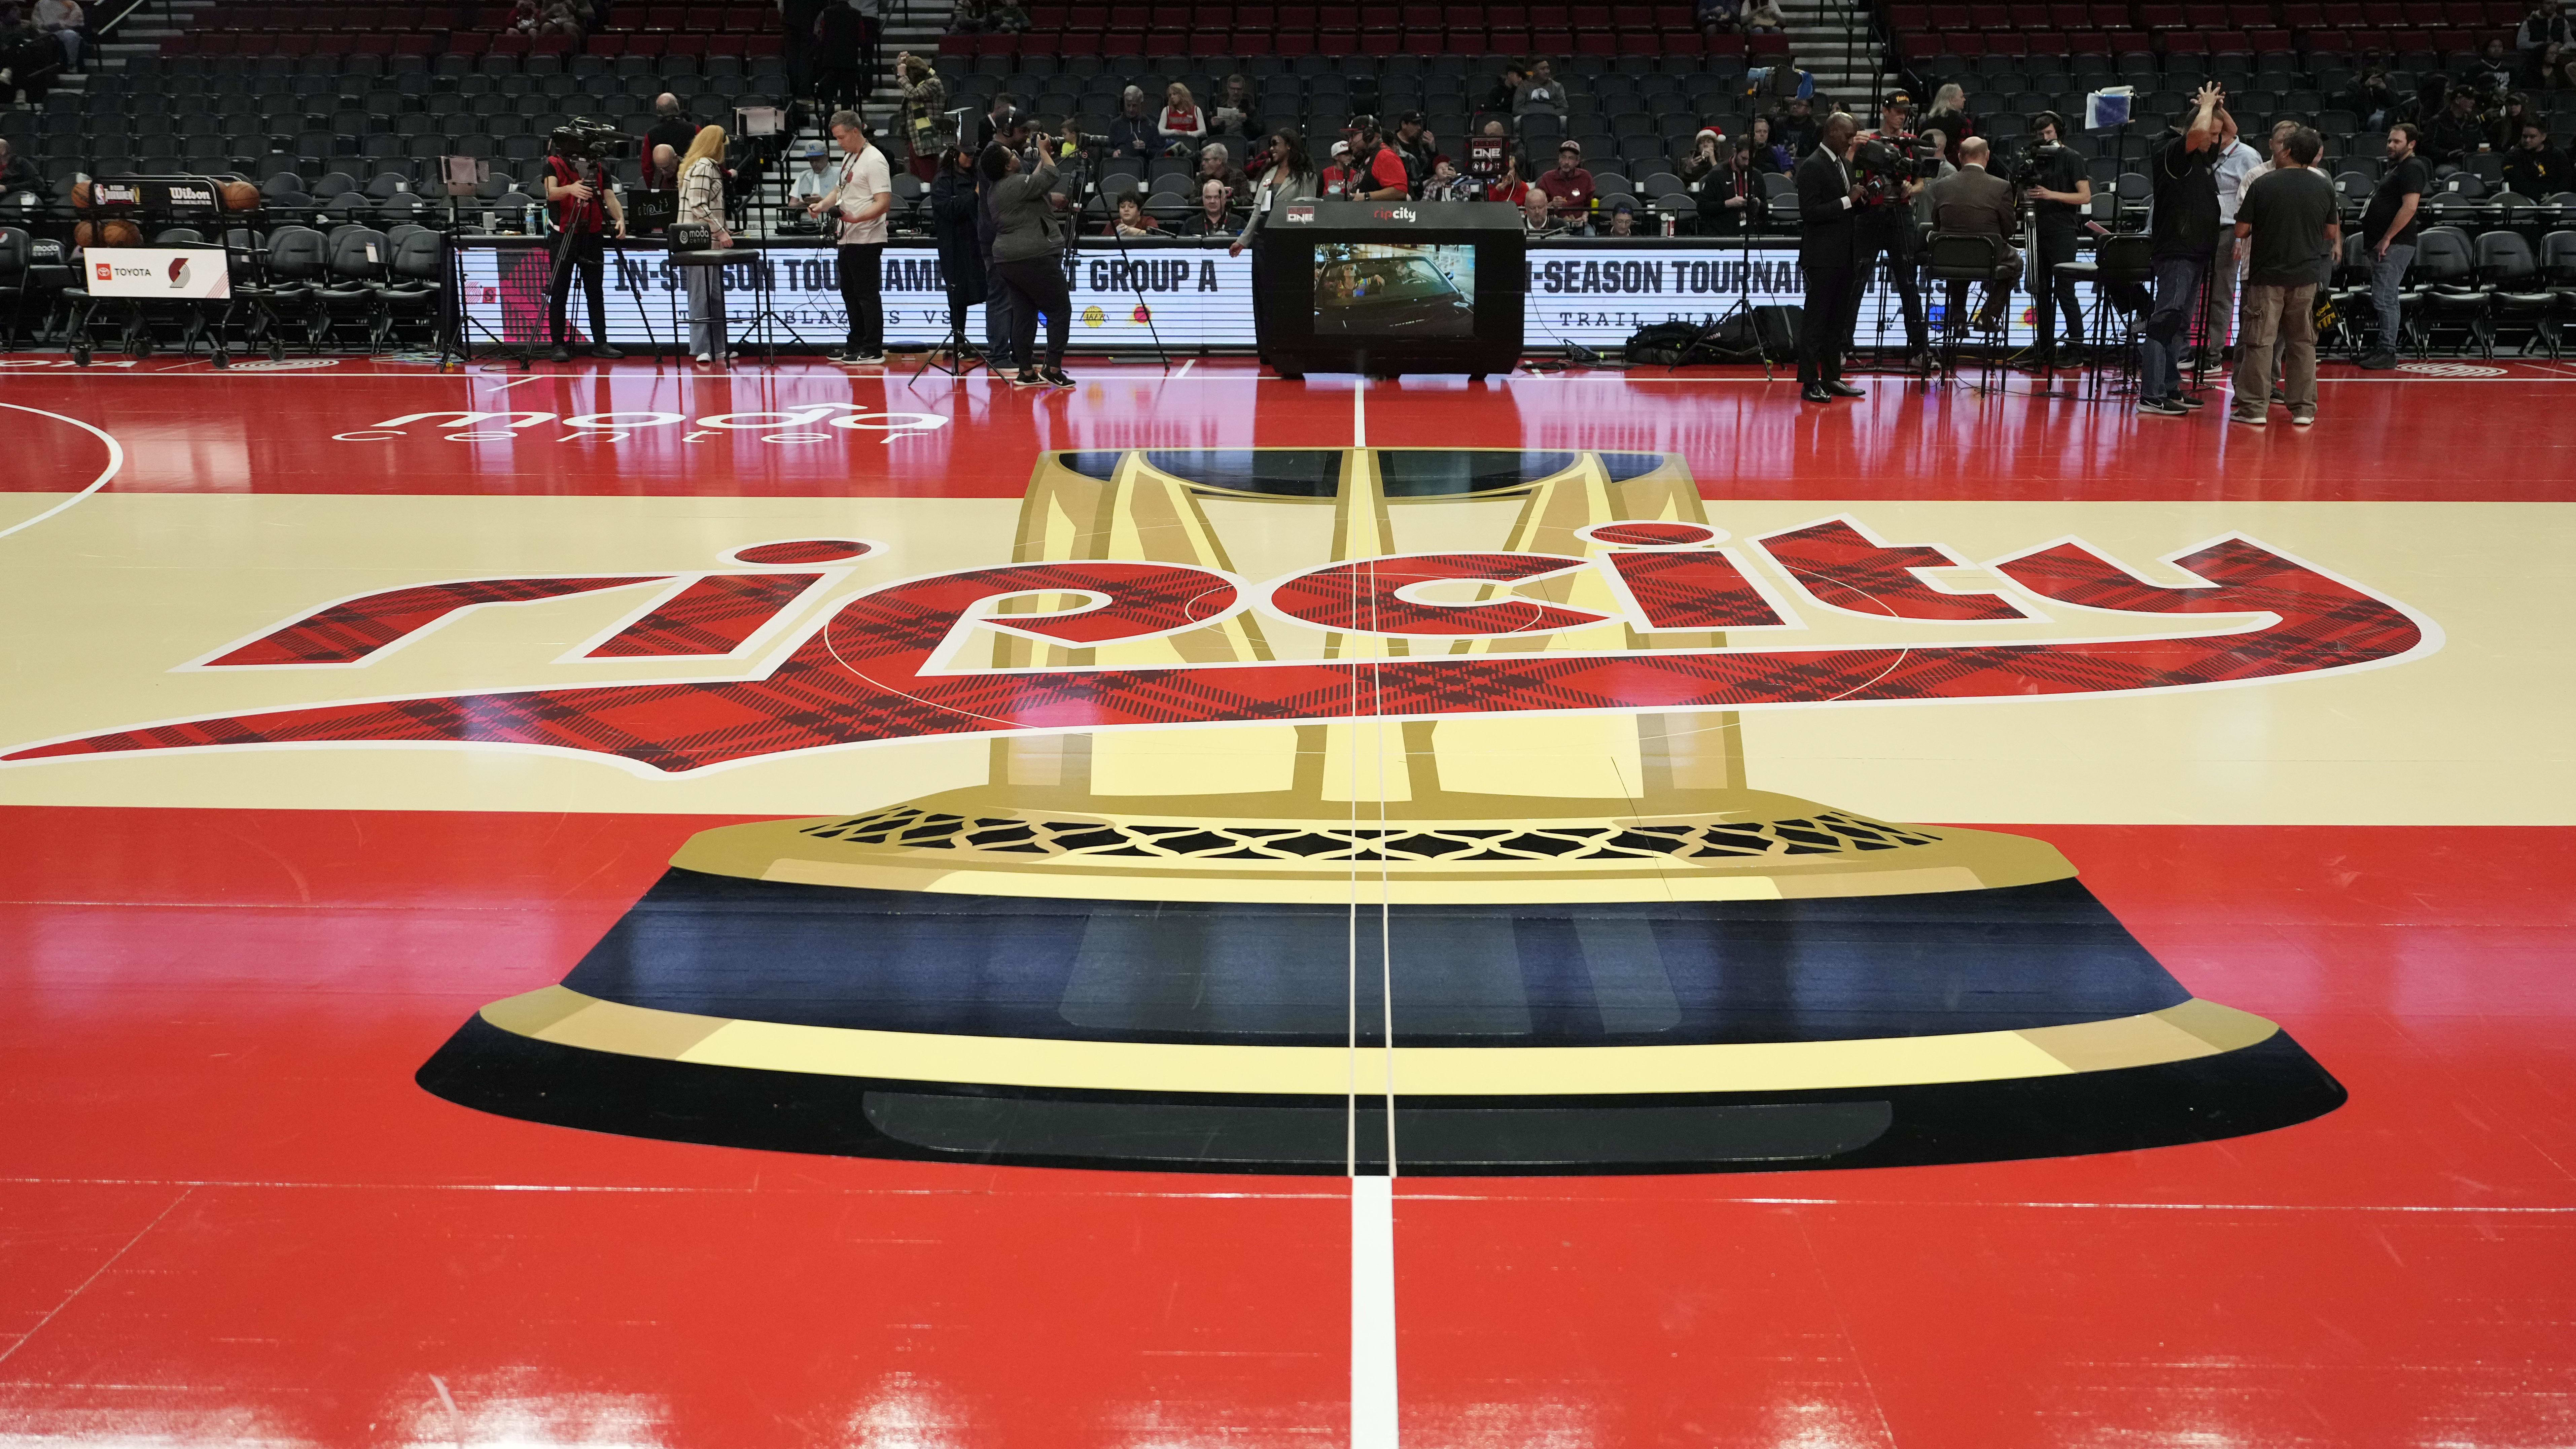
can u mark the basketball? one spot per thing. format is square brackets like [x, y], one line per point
[107, 234]
[240, 196]
[80, 196]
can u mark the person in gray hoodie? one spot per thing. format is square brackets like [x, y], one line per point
[1028, 246]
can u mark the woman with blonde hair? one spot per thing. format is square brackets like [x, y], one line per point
[1182, 123]
[702, 203]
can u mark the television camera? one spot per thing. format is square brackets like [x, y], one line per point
[1882, 165]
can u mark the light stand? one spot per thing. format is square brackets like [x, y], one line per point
[1093, 168]
[463, 177]
[1743, 289]
[2030, 258]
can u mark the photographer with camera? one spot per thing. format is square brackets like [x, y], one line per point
[586, 207]
[1828, 252]
[2051, 177]
[1028, 246]
[2182, 237]
[1893, 165]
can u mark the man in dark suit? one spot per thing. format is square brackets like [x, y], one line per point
[1976, 202]
[1828, 252]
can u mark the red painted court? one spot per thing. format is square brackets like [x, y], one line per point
[261, 1182]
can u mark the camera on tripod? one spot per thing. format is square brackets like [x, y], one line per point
[1882, 165]
[2030, 167]
[585, 139]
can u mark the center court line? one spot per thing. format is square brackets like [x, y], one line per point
[1373, 1384]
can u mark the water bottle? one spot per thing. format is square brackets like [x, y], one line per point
[1668, 223]
[531, 222]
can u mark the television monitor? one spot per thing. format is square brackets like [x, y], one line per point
[1390, 287]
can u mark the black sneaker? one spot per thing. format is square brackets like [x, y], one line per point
[606, 352]
[561, 353]
[2378, 361]
[1027, 378]
[1054, 377]
[866, 359]
[2190, 401]
[2161, 407]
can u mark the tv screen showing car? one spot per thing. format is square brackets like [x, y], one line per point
[1376, 290]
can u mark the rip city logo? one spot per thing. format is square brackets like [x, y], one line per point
[906, 658]
[1400, 213]
[813, 423]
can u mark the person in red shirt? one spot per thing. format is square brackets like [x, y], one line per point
[1377, 171]
[1333, 183]
[1568, 188]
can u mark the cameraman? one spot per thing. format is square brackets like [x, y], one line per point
[585, 207]
[2054, 181]
[1887, 220]
[2183, 236]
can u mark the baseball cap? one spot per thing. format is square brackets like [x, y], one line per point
[1574, 146]
[1896, 98]
[808, 151]
[1341, 148]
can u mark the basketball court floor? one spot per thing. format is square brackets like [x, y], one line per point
[615, 906]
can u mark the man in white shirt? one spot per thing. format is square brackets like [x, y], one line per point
[2218, 296]
[858, 204]
[62, 20]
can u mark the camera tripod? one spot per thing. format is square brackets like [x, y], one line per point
[1743, 305]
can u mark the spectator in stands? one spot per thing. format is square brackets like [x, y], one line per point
[2374, 99]
[2388, 231]
[17, 173]
[2218, 294]
[62, 20]
[1415, 146]
[1718, 17]
[662, 170]
[2183, 236]
[809, 184]
[1216, 215]
[1976, 202]
[702, 204]
[1508, 186]
[2504, 128]
[1182, 125]
[1334, 181]
[1949, 116]
[839, 35]
[1793, 128]
[2493, 71]
[970, 17]
[1376, 172]
[2290, 225]
[2547, 39]
[2457, 134]
[1447, 185]
[1507, 89]
[525, 15]
[1540, 95]
[1763, 152]
[925, 122]
[1780, 83]
[671, 126]
[2533, 168]
[797, 19]
[857, 204]
[1708, 154]
[1132, 219]
[1568, 188]
[1536, 218]
[1764, 17]
[1623, 220]
[1131, 133]
[1234, 111]
[1730, 192]
[1009, 18]
[1217, 164]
